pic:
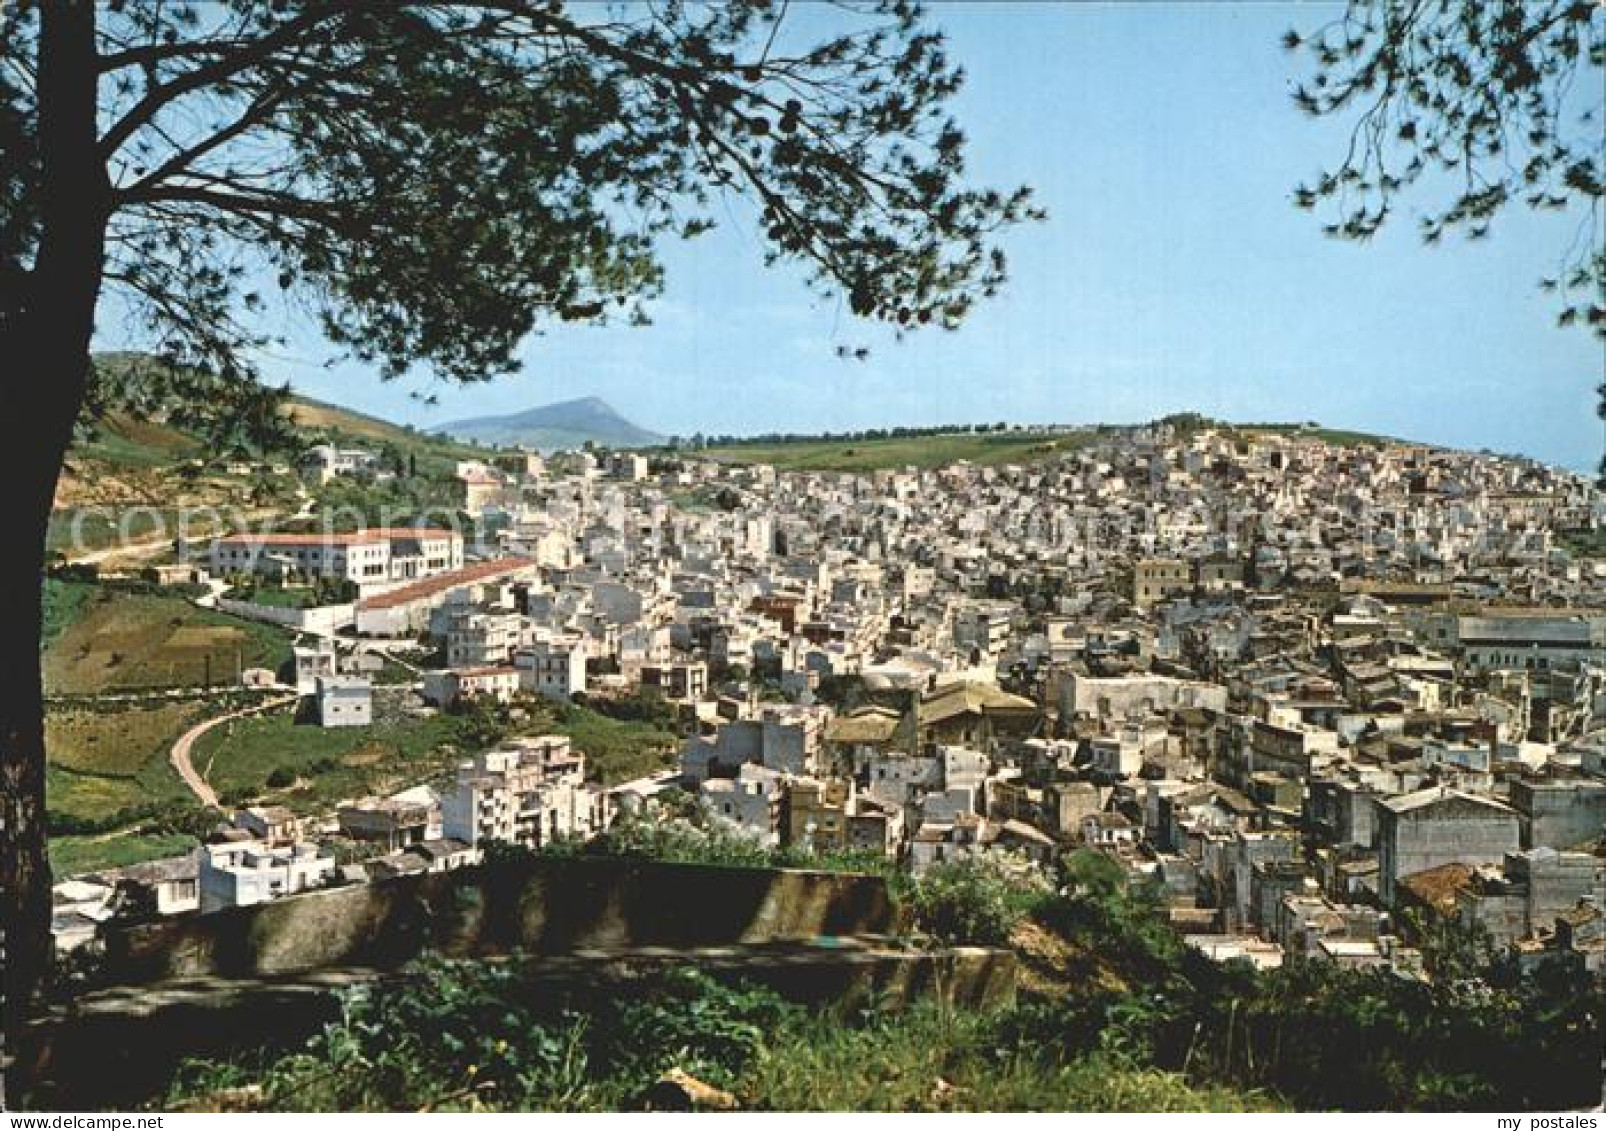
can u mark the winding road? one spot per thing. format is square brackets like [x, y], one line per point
[180, 754]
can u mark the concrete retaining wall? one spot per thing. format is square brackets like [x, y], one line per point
[323, 620]
[535, 905]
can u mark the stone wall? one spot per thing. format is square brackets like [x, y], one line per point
[323, 620]
[535, 905]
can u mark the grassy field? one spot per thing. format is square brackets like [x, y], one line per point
[913, 451]
[75, 855]
[110, 639]
[616, 750]
[64, 603]
[128, 441]
[117, 742]
[326, 766]
[107, 770]
[1338, 437]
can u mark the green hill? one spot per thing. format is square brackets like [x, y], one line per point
[904, 451]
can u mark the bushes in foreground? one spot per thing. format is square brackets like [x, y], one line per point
[473, 1036]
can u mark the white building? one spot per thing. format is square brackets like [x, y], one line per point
[314, 662]
[369, 558]
[345, 701]
[481, 638]
[750, 802]
[555, 668]
[240, 873]
[530, 792]
[324, 462]
[443, 688]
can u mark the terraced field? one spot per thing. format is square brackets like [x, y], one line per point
[118, 640]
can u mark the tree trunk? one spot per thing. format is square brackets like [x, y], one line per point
[46, 349]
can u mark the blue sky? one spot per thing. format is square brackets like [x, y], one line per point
[1172, 274]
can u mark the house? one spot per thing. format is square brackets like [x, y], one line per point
[530, 791]
[786, 739]
[274, 825]
[553, 668]
[345, 701]
[628, 466]
[168, 887]
[1437, 826]
[478, 637]
[444, 688]
[482, 489]
[323, 462]
[679, 683]
[1560, 811]
[421, 858]
[982, 628]
[314, 662]
[1156, 579]
[1529, 890]
[395, 822]
[1108, 830]
[750, 802]
[973, 714]
[1128, 696]
[241, 873]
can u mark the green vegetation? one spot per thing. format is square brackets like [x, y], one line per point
[1584, 543]
[428, 454]
[617, 749]
[308, 768]
[74, 530]
[674, 829]
[466, 1036]
[108, 767]
[322, 591]
[125, 439]
[1116, 1014]
[977, 901]
[1338, 437]
[130, 635]
[75, 855]
[908, 451]
[358, 503]
[63, 602]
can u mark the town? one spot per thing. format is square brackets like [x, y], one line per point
[1323, 690]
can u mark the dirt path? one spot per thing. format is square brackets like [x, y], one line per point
[180, 754]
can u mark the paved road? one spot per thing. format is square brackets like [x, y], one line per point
[180, 754]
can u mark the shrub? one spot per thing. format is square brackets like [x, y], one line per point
[281, 777]
[977, 900]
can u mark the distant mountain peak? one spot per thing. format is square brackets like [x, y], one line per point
[553, 427]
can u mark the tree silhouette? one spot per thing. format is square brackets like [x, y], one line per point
[1492, 103]
[433, 182]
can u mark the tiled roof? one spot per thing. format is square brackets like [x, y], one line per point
[441, 582]
[347, 538]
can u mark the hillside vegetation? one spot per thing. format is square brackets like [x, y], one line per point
[897, 452]
[127, 637]
[1118, 1016]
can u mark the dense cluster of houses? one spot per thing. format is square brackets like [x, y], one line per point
[1322, 693]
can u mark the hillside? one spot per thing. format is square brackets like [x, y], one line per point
[910, 451]
[556, 427]
[319, 420]
[986, 448]
[140, 459]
